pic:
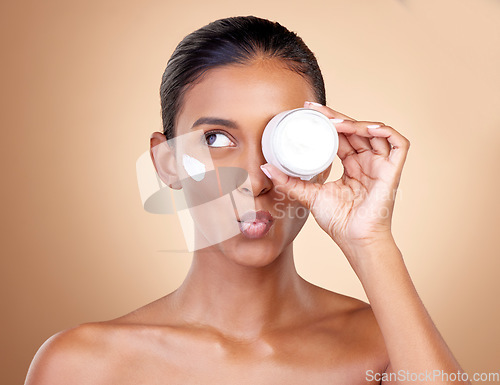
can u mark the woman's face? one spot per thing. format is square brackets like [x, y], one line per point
[218, 160]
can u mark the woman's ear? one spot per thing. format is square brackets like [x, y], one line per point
[163, 157]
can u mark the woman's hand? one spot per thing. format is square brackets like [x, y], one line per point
[356, 209]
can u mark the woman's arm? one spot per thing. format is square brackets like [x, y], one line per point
[356, 211]
[415, 347]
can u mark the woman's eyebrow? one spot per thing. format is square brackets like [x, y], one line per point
[215, 121]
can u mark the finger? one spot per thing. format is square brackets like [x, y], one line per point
[359, 143]
[400, 145]
[332, 114]
[357, 134]
[360, 135]
[359, 128]
[345, 148]
[360, 132]
[303, 191]
[380, 146]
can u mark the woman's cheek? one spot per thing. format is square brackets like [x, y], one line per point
[286, 207]
[291, 215]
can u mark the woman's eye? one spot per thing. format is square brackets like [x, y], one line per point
[218, 139]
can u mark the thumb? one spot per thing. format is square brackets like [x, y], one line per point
[303, 191]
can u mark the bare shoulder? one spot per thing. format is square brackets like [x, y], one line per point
[73, 356]
[102, 352]
[357, 312]
[351, 321]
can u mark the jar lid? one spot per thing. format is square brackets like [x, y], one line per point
[305, 142]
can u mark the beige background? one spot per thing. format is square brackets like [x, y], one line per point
[80, 98]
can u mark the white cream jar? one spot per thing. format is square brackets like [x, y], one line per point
[300, 142]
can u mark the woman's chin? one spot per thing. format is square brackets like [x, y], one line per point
[251, 252]
[256, 248]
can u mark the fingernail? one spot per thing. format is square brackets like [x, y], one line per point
[334, 121]
[264, 170]
[374, 126]
[314, 104]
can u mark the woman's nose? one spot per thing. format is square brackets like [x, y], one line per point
[257, 183]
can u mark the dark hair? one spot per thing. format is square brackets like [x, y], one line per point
[228, 41]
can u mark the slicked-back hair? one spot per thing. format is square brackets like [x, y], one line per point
[233, 40]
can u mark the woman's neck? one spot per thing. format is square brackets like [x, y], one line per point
[242, 302]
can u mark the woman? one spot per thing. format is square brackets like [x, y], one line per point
[243, 315]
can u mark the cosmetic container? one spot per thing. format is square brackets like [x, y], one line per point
[301, 142]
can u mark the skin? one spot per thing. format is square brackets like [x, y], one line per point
[243, 315]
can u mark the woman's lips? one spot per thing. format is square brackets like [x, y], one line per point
[255, 224]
